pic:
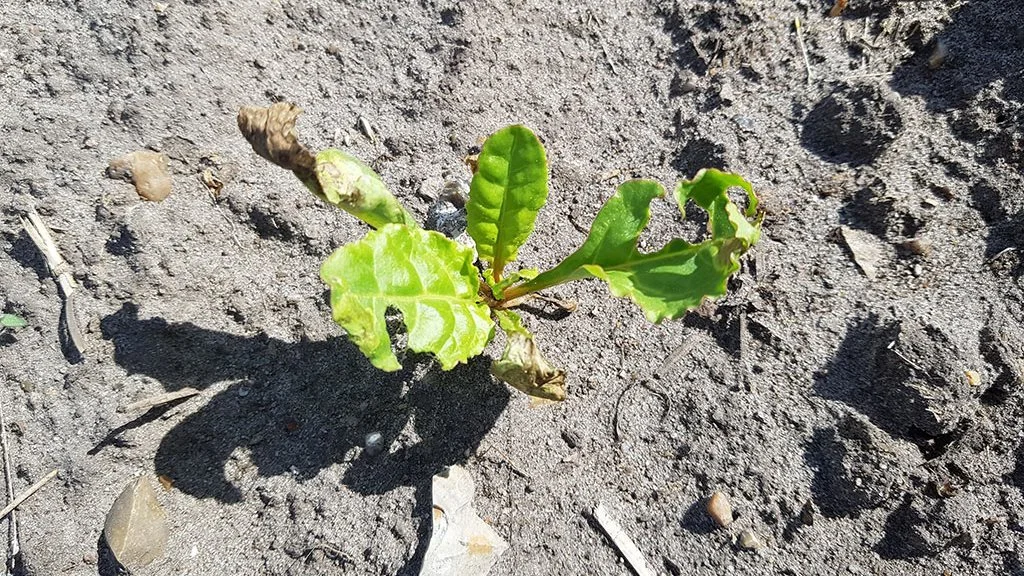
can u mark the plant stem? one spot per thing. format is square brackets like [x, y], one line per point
[520, 290]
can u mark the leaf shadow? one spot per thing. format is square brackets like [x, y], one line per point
[298, 408]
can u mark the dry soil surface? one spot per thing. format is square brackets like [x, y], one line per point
[862, 419]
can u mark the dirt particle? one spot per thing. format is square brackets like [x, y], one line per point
[917, 247]
[749, 540]
[938, 56]
[571, 438]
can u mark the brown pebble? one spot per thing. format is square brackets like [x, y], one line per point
[147, 170]
[973, 378]
[807, 513]
[719, 509]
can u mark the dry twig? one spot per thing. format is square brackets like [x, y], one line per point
[40, 235]
[27, 494]
[622, 541]
[803, 47]
[160, 400]
[13, 542]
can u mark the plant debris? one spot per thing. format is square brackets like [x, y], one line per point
[864, 249]
[626, 546]
[41, 237]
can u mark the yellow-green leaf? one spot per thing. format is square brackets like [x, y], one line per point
[673, 280]
[343, 180]
[428, 277]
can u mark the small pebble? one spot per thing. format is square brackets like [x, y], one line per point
[748, 540]
[973, 378]
[374, 443]
[684, 83]
[725, 92]
[366, 128]
[243, 392]
[807, 513]
[746, 123]
[447, 214]
[719, 509]
[918, 247]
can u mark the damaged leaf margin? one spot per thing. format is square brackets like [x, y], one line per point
[331, 175]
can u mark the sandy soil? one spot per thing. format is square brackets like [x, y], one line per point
[832, 407]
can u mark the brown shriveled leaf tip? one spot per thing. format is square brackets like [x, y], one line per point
[271, 133]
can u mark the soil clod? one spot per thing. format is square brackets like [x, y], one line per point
[147, 170]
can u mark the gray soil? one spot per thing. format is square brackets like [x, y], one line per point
[836, 410]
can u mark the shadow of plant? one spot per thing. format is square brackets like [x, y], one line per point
[300, 407]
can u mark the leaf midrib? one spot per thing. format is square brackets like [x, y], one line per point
[499, 256]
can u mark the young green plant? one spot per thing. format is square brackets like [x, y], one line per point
[451, 296]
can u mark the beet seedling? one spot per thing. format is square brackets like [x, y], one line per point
[449, 305]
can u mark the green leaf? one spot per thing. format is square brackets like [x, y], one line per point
[509, 187]
[522, 365]
[666, 283]
[426, 276]
[12, 321]
[708, 190]
[354, 187]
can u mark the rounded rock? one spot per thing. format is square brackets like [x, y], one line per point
[719, 509]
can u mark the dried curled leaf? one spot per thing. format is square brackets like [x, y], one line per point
[332, 175]
[523, 366]
[271, 133]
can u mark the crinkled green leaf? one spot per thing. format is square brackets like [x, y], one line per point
[666, 283]
[12, 321]
[522, 365]
[354, 187]
[509, 187]
[428, 277]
